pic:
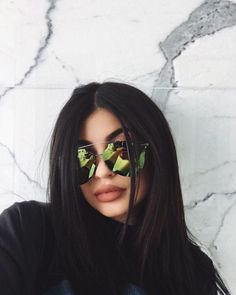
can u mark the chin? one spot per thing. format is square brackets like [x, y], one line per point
[114, 213]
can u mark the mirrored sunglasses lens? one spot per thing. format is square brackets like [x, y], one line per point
[116, 158]
[87, 165]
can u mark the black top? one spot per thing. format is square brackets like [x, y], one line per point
[30, 263]
[27, 250]
[29, 260]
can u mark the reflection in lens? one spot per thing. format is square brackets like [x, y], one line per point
[116, 158]
[86, 164]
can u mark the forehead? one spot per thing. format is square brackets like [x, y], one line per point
[99, 125]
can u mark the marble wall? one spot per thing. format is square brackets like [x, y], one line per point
[181, 53]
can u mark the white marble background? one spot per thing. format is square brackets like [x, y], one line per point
[182, 53]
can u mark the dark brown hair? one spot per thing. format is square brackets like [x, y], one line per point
[169, 259]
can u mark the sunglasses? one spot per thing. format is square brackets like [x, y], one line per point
[115, 156]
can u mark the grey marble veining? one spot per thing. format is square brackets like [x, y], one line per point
[38, 56]
[160, 47]
[207, 19]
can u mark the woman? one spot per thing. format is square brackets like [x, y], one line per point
[115, 221]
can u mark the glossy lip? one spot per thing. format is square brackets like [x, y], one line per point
[109, 197]
[107, 188]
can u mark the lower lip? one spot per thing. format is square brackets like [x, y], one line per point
[110, 196]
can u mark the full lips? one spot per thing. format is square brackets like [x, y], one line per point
[109, 196]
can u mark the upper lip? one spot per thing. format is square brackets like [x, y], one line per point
[107, 188]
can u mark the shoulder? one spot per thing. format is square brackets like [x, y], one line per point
[204, 269]
[200, 257]
[26, 243]
[27, 207]
[24, 211]
[26, 220]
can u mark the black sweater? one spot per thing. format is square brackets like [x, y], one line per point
[27, 250]
[29, 260]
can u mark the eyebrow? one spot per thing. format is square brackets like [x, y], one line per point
[114, 134]
[108, 138]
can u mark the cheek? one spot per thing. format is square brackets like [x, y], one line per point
[86, 190]
[144, 182]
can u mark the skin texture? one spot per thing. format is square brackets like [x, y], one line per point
[95, 129]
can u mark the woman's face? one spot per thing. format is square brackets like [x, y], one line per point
[114, 200]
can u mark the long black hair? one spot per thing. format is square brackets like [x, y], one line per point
[168, 259]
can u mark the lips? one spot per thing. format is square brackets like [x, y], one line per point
[108, 193]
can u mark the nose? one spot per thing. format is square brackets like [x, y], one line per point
[102, 169]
